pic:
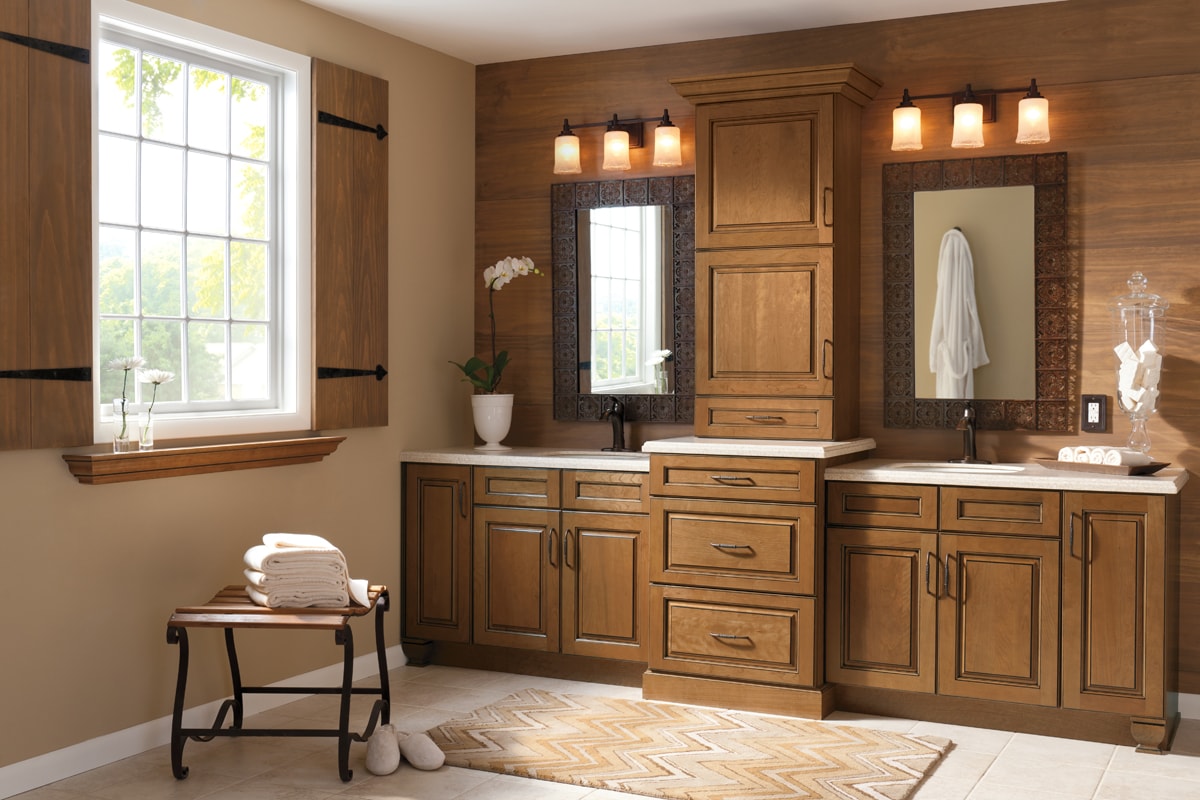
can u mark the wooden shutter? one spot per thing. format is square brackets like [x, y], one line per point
[350, 173]
[45, 224]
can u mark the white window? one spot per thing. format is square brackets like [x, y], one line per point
[202, 270]
[626, 296]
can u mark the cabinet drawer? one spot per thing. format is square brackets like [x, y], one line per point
[590, 490]
[1023, 512]
[750, 546]
[882, 505]
[753, 637]
[764, 417]
[513, 486]
[776, 480]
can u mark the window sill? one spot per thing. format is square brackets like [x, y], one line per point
[98, 464]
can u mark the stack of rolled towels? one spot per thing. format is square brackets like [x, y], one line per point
[300, 570]
[1109, 456]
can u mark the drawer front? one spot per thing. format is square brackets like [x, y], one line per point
[513, 486]
[590, 490]
[1021, 512]
[737, 635]
[774, 480]
[751, 546]
[764, 418]
[882, 505]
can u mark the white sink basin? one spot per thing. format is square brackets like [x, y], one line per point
[946, 466]
[596, 454]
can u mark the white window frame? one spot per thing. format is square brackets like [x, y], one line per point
[294, 409]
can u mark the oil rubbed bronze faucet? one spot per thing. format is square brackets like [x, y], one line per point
[616, 414]
[967, 426]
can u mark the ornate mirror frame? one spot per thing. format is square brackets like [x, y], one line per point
[1056, 294]
[678, 192]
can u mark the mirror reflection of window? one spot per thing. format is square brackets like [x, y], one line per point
[626, 253]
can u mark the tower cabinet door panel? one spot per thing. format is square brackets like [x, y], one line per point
[437, 552]
[881, 606]
[998, 619]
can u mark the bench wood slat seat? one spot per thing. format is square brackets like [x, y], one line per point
[230, 609]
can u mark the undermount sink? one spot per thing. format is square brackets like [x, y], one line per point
[947, 466]
[597, 453]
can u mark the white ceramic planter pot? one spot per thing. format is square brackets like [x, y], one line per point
[493, 418]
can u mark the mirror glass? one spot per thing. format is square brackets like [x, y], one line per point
[1011, 212]
[622, 266]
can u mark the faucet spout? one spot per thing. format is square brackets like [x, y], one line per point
[616, 414]
[967, 425]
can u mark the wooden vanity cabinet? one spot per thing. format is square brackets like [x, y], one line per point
[777, 251]
[960, 597]
[1120, 600]
[437, 552]
[561, 571]
[736, 580]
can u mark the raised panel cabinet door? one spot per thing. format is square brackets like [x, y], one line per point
[437, 552]
[881, 608]
[1115, 601]
[764, 322]
[768, 180]
[605, 581]
[998, 618]
[518, 562]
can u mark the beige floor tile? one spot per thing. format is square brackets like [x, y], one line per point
[509, 787]
[1140, 786]
[406, 783]
[986, 791]
[1071, 751]
[979, 740]
[1173, 765]
[1044, 774]
[894, 724]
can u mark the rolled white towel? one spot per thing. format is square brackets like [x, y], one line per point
[1066, 454]
[1124, 457]
[1082, 454]
[299, 598]
[1096, 455]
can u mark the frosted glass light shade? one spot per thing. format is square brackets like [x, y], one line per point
[906, 128]
[667, 152]
[616, 150]
[968, 125]
[566, 155]
[1033, 126]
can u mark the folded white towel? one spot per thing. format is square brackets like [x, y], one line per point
[299, 598]
[1066, 454]
[1121, 456]
[307, 541]
[273, 581]
[265, 558]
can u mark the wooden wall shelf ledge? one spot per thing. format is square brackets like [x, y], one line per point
[98, 464]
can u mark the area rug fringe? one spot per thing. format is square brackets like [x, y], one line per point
[685, 752]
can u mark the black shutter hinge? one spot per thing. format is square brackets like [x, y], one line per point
[51, 374]
[333, 119]
[342, 372]
[80, 54]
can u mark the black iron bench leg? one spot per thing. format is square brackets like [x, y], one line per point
[235, 675]
[385, 688]
[345, 637]
[178, 636]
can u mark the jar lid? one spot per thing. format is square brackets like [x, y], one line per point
[1139, 301]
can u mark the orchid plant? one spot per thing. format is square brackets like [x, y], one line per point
[483, 376]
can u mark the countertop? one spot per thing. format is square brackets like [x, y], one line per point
[1027, 475]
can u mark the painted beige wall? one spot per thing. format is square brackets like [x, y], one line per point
[89, 574]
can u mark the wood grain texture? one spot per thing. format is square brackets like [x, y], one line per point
[350, 244]
[1132, 201]
[437, 552]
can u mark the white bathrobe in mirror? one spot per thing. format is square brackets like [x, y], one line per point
[956, 346]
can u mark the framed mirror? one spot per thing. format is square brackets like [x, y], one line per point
[571, 204]
[1043, 313]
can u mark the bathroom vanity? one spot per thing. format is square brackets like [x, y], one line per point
[797, 578]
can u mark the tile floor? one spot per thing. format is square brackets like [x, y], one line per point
[984, 764]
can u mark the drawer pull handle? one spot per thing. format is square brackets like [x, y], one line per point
[731, 478]
[729, 636]
[724, 546]
[765, 418]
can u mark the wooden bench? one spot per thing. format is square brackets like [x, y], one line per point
[232, 608]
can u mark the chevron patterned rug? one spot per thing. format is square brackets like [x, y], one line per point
[685, 752]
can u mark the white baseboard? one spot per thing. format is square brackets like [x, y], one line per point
[59, 764]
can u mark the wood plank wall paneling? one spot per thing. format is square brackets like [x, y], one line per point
[1119, 74]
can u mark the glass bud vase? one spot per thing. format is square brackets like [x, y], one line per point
[124, 440]
[146, 432]
[1137, 321]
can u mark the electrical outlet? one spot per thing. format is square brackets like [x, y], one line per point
[1094, 411]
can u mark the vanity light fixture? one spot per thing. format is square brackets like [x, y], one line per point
[621, 136]
[971, 110]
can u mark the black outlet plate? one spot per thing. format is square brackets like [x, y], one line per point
[1093, 413]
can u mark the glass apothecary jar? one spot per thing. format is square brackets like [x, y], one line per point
[1138, 329]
